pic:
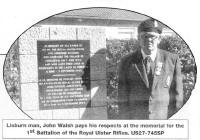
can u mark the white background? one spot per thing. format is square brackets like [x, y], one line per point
[182, 16]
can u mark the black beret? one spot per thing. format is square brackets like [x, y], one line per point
[150, 25]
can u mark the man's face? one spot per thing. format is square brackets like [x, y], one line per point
[149, 41]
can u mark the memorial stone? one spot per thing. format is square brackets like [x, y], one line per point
[60, 73]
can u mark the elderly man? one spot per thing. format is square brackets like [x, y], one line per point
[150, 78]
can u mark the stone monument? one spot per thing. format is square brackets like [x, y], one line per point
[63, 72]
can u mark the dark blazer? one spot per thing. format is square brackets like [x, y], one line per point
[136, 99]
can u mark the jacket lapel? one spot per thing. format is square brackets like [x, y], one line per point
[158, 71]
[142, 72]
[140, 67]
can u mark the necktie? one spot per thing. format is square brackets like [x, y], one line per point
[148, 65]
[147, 62]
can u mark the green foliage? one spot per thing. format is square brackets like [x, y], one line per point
[118, 48]
[11, 74]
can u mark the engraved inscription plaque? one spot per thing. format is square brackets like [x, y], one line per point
[61, 66]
